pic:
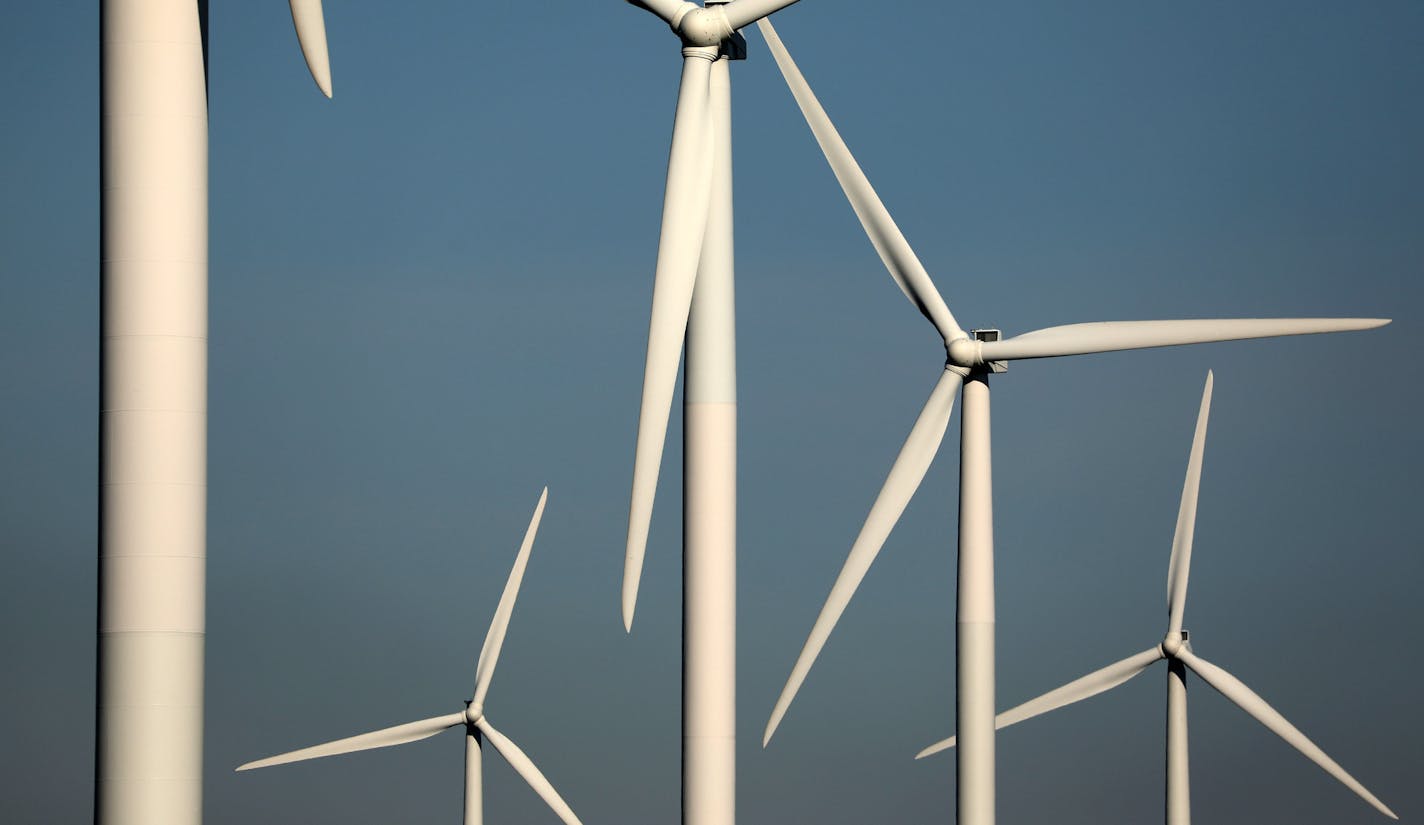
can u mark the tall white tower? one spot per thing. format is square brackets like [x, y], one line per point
[153, 403]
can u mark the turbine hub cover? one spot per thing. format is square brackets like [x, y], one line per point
[474, 713]
[962, 352]
[702, 26]
[1172, 645]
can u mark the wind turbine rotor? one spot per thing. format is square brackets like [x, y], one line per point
[384, 738]
[900, 485]
[499, 625]
[685, 206]
[311, 34]
[880, 227]
[1247, 699]
[526, 768]
[1179, 567]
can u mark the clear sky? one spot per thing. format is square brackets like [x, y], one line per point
[429, 298]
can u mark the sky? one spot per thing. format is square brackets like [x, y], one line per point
[429, 298]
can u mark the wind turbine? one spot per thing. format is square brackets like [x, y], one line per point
[1176, 648]
[693, 296]
[472, 718]
[970, 358]
[153, 402]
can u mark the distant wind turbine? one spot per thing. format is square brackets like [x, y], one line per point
[1177, 650]
[472, 718]
[153, 405]
[970, 358]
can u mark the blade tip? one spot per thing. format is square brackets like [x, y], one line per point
[629, 606]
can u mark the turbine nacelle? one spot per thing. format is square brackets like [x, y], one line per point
[474, 712]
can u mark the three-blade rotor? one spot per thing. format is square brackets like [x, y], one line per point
[1176, 647]
[964, 356]
[473, 716]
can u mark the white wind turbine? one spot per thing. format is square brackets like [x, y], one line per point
[1177, 650]
[693, 297]
[472, 718]
[970, 358]
[153, 402]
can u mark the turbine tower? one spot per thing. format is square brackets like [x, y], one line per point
[472, 718]
[1176, 648]
[693, 297]
[970, 357]
[153, 402]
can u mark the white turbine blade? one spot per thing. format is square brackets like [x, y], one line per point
[1075, 691]
[525, 767]
[1109, 336]
[894, 250]
[743, 12]
[1179, 568]
[900, 485]
[494, 638]
[668, 10]
[311, 34]
[1247, 699]
[679, 248]
[384, 738]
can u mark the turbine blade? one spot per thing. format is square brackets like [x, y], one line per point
[384, 738]
[311, 34]
[499, 625]
[744, 12]
[900, 485]
[525, 767]
[668, 10]
[1180, 565]
[1246, 699]
[1075, 691]
[1109, 336]
[679, 248]
[891, 245]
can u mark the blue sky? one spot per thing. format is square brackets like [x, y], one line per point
[429, 298]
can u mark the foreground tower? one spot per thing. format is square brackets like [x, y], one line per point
[153, 402]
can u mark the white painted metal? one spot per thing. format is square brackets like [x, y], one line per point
[472, 718]
[684, 221]
[884, 234]
[693, 296]
[969, 359]
[474, 778]
[1247, 699]
[1178, 653]
[1179, 794]
[974, 645]
[1111, 336]
[153, 408]
[709, 602]
[1179, 564]
[311, 34]
[909, 468]
[1077, 690]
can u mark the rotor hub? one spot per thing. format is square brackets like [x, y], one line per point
[474, 713]
[963, 352]
[1174, 642]
[698, 26]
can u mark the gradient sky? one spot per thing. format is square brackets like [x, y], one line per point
[429, 297]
